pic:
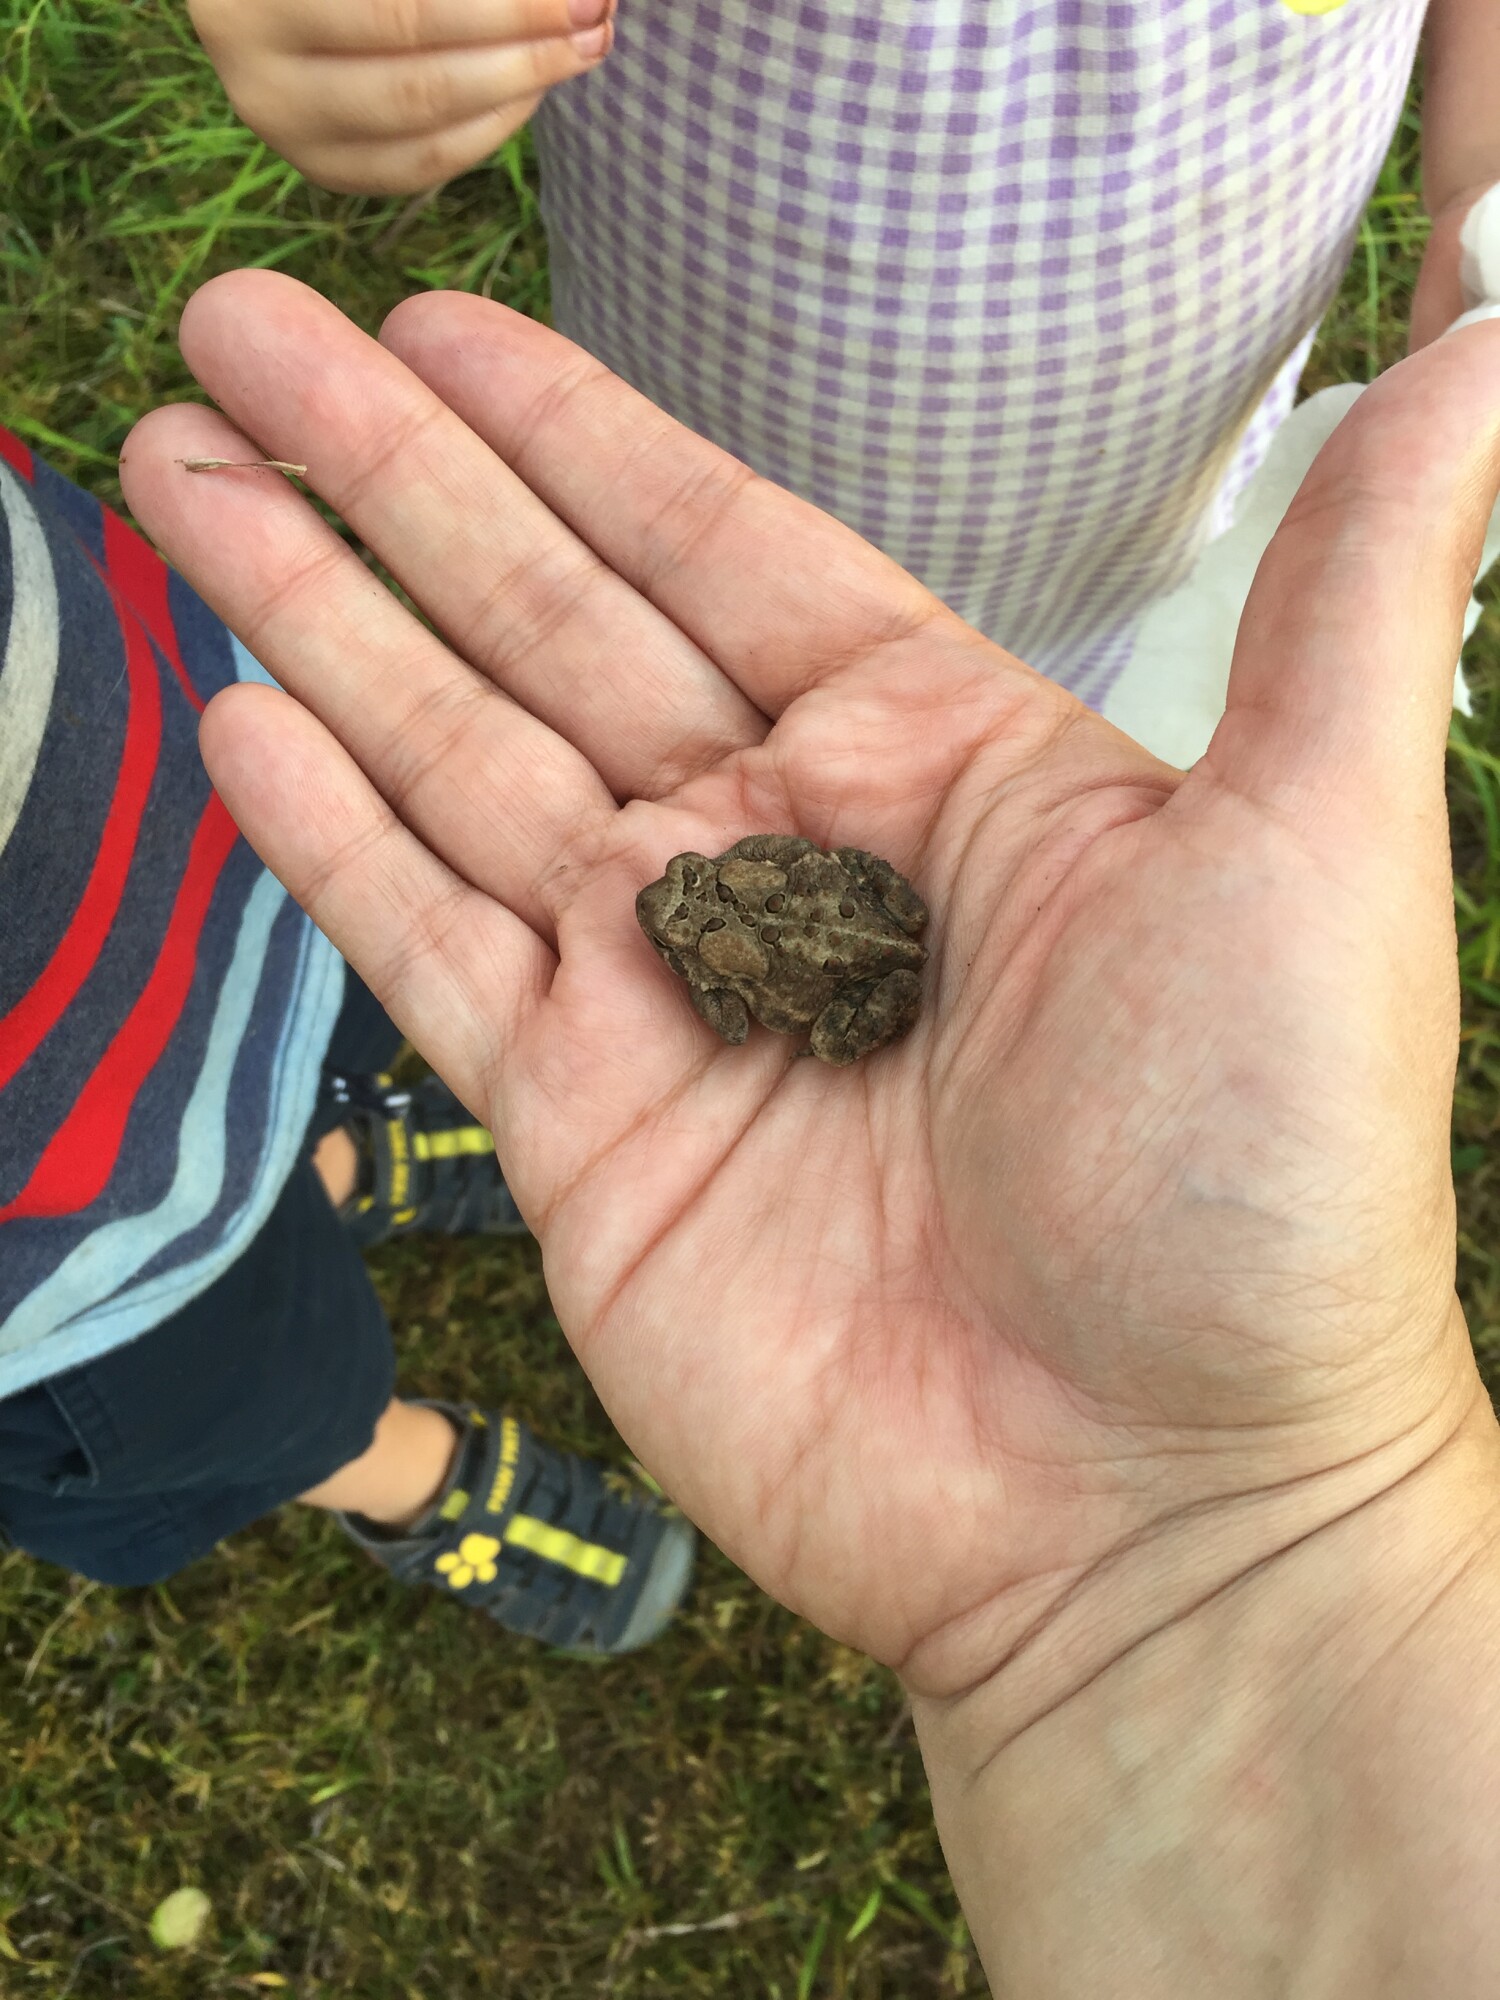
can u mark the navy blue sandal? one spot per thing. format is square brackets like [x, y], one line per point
[424, 1165]
[542, 1542]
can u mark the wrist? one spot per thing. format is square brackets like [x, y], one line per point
[1285, 1788]
[1449, 205]
[1166, 1526]
[1441, 294]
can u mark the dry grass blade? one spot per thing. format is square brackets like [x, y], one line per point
[244, 465]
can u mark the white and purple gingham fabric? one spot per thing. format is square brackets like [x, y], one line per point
[1017, 288]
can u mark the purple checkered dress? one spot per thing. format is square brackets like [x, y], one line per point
[1020, 291]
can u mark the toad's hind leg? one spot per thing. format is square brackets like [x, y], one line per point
[865, 1017]
[891, 890]
[724, 1011]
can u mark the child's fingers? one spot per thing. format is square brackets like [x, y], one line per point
[401, 26]
[330, 99]
[451, 23]
[457, 972]
[405, 166]
[395, 27]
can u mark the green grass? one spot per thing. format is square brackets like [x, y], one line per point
[384, 1799]
[127, 181]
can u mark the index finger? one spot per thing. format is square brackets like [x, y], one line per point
[514, 590]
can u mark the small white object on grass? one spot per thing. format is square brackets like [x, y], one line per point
[179, 1920]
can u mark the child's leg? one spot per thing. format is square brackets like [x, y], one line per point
[395, 1480]
[396, 1477]
[336, 1158]
[277, 1384]
[135, 1464]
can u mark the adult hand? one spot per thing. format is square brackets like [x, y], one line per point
[1133, 1265]
[367, 97]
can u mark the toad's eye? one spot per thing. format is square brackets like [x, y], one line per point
[679, 913]
[714, 924]
[689, 879]
[846, 908]
[769, 933]
[833, 965]
[725, 893]
[775, 904]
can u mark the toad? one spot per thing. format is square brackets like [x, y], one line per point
[798, 939]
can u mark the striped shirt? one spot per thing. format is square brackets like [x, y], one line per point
[164, 1006]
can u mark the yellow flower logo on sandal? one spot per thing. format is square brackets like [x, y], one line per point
[473, 1561]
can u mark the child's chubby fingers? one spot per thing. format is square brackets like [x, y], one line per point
[314, 98]
[390, 96]
[403, 166]
[386, 27]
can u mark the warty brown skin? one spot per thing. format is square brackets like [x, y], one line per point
[804, 941]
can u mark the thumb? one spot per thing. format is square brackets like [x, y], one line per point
[1342, 683]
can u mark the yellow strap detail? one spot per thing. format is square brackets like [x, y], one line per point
[448, 1145]
[556, 1545]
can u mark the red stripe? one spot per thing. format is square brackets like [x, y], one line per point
[15, 454]
[37, 1012]
[140, 576]
[79, 1159]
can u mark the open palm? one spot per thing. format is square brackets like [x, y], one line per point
[1149, 1214]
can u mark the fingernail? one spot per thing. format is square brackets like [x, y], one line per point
[595, 42]
[587, 13]
[1490, 311]
[1479, 249]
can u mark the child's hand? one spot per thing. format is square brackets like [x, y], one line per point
[388, 96]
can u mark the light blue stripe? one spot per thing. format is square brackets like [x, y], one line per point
[247, 667]
[28, 667]
[80, 1310]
